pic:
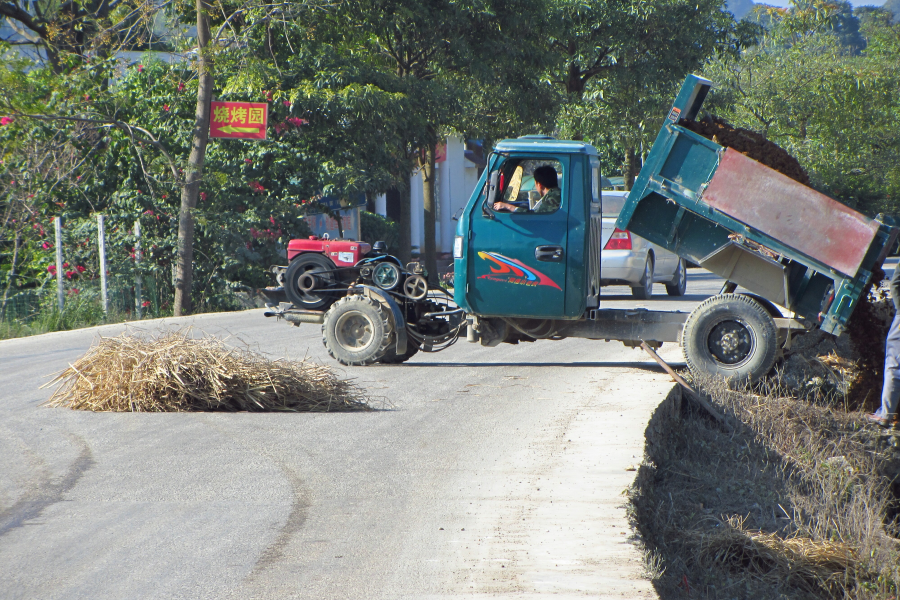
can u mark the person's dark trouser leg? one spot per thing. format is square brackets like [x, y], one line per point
[891, 393]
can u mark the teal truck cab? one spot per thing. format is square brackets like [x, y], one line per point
[533, 273]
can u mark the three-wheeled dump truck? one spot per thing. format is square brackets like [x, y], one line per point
[534, 274]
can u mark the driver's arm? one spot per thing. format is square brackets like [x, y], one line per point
[507, 206]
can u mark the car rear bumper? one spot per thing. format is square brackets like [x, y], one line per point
[621, 267]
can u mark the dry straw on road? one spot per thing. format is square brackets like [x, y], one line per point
[175, 372]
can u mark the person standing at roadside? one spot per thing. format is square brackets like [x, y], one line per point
[891, 391]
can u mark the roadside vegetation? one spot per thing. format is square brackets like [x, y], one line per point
[351, 108]
[791, 499]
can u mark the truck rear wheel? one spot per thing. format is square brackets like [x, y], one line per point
[731, 336]
[357, 331]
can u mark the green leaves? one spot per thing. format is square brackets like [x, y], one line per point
[834, 106]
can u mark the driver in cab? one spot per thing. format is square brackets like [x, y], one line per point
[545, 182]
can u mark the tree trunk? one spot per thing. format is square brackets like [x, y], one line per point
[428, 180]
[629, 168]
[405, 223]
[194, 173]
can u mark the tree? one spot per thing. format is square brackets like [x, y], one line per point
[431, 54]
[836, 110]
[610, 53]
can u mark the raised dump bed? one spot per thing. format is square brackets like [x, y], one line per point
[751, 225]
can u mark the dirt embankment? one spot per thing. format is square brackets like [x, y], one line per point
[750, 144]
[847, 371]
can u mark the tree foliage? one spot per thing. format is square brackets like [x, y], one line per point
[831, 105]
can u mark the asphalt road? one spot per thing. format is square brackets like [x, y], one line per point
[446, 492]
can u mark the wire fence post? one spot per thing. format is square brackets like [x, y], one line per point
[138, 280]
[101, 242]
[60, 294]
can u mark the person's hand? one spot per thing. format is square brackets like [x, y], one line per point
[504, 206]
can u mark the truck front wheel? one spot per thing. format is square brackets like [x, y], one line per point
[731, 336]
[357, 331]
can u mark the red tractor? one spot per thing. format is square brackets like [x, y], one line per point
[316, 283]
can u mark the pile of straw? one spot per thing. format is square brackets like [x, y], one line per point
[174, 372]
[799, 561]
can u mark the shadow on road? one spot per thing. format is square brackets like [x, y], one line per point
[649, 367]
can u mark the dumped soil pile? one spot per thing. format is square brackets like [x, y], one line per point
[847, 371]
[175, 372]
[750, 144]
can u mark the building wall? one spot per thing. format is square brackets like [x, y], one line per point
[456, 178]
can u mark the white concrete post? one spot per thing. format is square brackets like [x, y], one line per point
[138, 280]
[60, 294]
[101, 244]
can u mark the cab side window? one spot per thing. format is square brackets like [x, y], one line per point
[531, 186]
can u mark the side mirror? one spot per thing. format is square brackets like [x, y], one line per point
[487, 207]
[458, 214]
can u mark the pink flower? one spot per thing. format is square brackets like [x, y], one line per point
[279, 127]
[45, 246]
[87, 97]
[69, 274]
[272, 220]
[296, 121]
[145, 303]
[257, 186]
[140, 68]
[203, 196]
[52, 269]
[287, 102]
[148, 212]
[268, 95]
[5, 120]
[180, 87]
[166, 107]
[80, 269]
[66, 265]
[248, 161]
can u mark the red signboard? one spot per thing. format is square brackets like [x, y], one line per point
[243, 120]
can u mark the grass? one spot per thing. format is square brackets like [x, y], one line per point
[78, 312]
[793, 500]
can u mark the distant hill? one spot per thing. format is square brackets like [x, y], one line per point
[894, 7]
[741, 8]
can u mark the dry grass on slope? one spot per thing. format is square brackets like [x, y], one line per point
[794, 501]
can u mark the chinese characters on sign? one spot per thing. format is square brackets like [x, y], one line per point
[246, 120]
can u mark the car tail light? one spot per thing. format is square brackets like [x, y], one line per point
[619, 240]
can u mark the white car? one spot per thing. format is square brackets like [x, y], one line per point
[627, 259]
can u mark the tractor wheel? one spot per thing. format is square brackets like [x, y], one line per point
[731, 336]
[357, 331]
[309, 263]
[392, 358]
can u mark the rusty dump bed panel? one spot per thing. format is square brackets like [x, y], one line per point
[786, 210]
